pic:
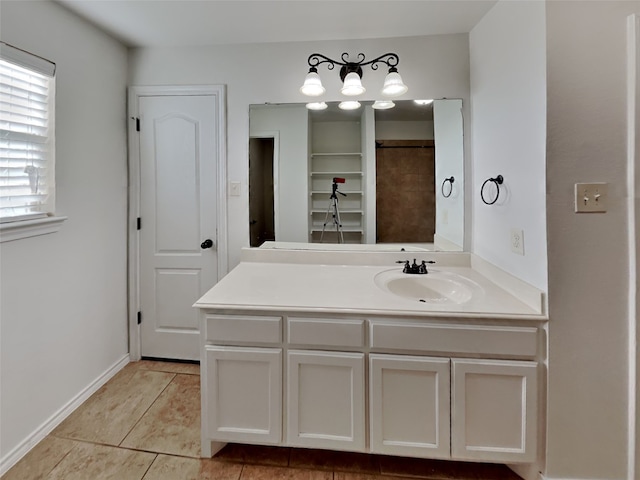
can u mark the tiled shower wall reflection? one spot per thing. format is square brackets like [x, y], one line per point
[405, 191]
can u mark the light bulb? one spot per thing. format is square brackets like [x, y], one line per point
[312, 86]
[349, 105]
[383, 104]
[317, 105]
[393, 85]
[352, 85]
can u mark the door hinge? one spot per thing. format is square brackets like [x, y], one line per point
[139, 318]
[138, 223]
[137, 124]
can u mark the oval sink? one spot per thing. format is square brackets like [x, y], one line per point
[435, 287]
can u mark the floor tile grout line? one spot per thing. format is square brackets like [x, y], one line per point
[149, 467]
[60, 461]
[148, 408]
[130, 449]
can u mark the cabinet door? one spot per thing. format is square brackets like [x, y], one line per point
[409, 405]
[326, 402]
[244, 392]
[494, 410]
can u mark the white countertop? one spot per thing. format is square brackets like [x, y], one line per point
[351, 289]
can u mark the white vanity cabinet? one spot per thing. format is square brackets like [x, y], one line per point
[460, 408]
[326, 383]
[325, 400]
[421, 387]
[494, 410]
[484, 409]
[246, 384]
[409, 402]
[241, 383]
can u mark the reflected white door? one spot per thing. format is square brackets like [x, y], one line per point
[178, 214]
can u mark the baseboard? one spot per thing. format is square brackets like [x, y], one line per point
[11, 458]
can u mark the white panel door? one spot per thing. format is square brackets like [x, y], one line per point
[494, 410]
[178, 155]
[326, 401]
[409, 405]
[244, 388]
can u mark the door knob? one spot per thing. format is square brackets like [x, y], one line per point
[208, 243]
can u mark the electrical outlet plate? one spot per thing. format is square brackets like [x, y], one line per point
[445, 216]
[517, 241]
[591, 197]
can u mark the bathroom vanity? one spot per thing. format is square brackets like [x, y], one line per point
[342, 351]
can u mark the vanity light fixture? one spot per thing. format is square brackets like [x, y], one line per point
[423, 102]
[351, 75]
[317, 105]
[383, 104]
[349, 105]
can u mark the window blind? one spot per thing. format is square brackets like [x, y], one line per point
[27, 169]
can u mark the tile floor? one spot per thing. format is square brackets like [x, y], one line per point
[144, 424]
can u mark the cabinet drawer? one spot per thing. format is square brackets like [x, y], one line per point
[461, 339]
[243, 329]
[337, 332]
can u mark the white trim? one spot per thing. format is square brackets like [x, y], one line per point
[275, 135]
[11, 458]
[633, 186]
[135, 92]
[29, 228]
[542, 477]
[28, 60]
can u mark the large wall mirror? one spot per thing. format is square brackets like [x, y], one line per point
[337, 178]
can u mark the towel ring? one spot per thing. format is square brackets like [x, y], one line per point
[497, 181]
[450, 180]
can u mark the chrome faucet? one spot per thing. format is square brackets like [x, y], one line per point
[415, 269]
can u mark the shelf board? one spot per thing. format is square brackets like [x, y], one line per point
[337, 154]
[342, 210]
[333, 230]
[333, 174]
[328, 192]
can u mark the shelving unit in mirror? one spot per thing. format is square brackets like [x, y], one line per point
[336, 153]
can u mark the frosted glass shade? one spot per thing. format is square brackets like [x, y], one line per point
[317, 106]
[393, 85]
[349, 105]
[312, 85]
[352, 85]
[383, 104]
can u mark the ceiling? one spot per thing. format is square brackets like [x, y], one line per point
[182, 23]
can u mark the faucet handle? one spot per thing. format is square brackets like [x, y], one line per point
[406, 265]
[423, 266]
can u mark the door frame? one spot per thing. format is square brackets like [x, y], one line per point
[275, 136]
[133, 257]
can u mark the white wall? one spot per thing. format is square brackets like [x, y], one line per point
[432, 67]
[63, 296]
[588, 253]
[449, 162]
[292, 123]
[409, 130]
[508, 119]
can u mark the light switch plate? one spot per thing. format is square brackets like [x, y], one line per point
[517, 241]
[591, 197]
[234, 189]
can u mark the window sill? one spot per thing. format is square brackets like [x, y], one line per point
[29, 228]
